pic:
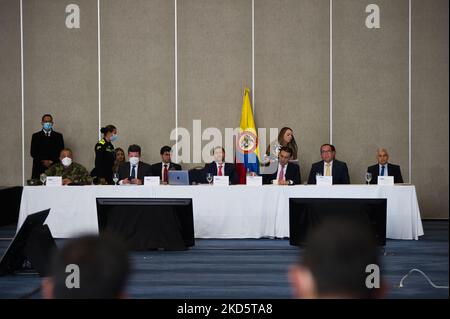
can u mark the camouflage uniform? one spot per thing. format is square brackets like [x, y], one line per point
[75, 172]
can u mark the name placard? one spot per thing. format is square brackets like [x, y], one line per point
[385, 180]
[151, 180]
[254, 180]
[221, 180]
[324, 180]
[53, 181]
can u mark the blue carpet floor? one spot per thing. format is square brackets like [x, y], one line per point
[256, 268]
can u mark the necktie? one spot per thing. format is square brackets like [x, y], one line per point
[133, 172]
[220, 170]
[382, 170]
[281, 175]
[166, 173]
[327, 170]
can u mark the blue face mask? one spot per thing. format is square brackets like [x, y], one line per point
[114, 137]
[47, 126]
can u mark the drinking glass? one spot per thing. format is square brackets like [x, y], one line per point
[209, 178]
[43, 178]
[115, 178]
[368, 177]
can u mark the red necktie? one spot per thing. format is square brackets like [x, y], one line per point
[220, 171]
[166, 173]
[281, 175]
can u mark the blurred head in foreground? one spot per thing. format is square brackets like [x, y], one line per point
[88, 267]
[335, 263]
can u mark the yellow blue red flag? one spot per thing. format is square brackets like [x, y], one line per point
[247, 151]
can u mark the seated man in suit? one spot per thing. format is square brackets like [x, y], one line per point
[287, 173]
[329, 166]
[219, 168]
[72, 173]
[134, 171]
[383, 168]
[162, 168]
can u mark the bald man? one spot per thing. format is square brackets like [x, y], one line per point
[383, 168]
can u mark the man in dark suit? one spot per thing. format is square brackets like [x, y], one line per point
[218, 167]
[162, 168]
[383, 168]
[134, 171]
[45, 147]
[287, 173]
[329, 166]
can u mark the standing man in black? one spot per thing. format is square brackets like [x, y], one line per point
[162, 168]
[45, 147]
[383, 168]
[329, 166]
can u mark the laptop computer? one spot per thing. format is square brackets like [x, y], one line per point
[178, 178]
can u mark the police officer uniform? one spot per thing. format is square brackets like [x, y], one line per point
[104, 161]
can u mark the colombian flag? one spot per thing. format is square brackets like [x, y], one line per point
[247, 151]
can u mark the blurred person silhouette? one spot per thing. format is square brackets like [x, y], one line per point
[103, 269]
[335, 261]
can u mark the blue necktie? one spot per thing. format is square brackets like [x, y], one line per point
[382, 170]
[133, 172]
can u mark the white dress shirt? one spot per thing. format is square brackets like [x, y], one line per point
[325, 168]
[162, 170]
[223, 168]
[284, 171]
[385, 169]
[135, 169]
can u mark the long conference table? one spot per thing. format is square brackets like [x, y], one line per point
[237, 211]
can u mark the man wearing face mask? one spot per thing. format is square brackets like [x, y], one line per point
[45, 147]
[71, 172]
[134, 171]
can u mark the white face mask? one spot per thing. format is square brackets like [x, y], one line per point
[134, 160]
[66, 161]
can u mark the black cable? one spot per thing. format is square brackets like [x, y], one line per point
[31, 294]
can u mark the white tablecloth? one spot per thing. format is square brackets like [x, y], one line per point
[238, 211]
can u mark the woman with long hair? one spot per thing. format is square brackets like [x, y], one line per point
[285, 138]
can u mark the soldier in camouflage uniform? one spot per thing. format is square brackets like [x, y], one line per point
[71, 172]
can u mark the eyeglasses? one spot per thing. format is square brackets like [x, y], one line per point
[326, 151]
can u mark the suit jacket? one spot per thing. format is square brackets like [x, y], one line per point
[228, 171]
[45, 148]
[393, 170]
[144, 169]
[157, 168]
[292, 173]
[339, 172]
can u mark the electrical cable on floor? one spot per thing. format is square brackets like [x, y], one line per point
[400, 285]
[31, 294]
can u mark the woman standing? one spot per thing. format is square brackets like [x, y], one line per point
[285, 138]
[105, 156]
